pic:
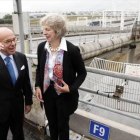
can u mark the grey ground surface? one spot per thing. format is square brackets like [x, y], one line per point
[31, 133]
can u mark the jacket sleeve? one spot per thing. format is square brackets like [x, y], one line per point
[79, 67]
[27, 91]
[38, 76]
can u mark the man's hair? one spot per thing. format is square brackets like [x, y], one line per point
[57, 22]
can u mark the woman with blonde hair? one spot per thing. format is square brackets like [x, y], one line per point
[59, 74]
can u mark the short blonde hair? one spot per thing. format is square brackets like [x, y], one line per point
[57, 22]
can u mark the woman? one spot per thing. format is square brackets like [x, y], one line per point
[59, 74]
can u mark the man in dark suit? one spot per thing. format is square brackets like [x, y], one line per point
[14, 86]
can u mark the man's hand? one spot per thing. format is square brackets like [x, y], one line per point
[27, 108]
[1, 47]
[63, 89]
[38, 95]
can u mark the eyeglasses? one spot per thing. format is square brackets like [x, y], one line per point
[9, 41]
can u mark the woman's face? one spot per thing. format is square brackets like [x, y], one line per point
[49, 33]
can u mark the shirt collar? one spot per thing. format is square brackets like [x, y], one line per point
[4, 56]
[63, 45]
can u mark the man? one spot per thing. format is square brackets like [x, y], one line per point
[14, 86]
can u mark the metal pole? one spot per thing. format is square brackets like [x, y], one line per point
[79, 40]
[109, 95]
[18, 10]
[113, 74]
[30, 36]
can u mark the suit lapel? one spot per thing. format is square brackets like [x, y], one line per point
[66, 65]
[4, 69]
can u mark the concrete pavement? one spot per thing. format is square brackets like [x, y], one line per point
[31, 133]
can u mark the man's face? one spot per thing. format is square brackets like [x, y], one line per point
[8, 40]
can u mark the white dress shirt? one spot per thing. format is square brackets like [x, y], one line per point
[63, 46]
[12, 61]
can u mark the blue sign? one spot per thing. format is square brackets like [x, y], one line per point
[99, 130]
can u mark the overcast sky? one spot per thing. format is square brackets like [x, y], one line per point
[69, 5]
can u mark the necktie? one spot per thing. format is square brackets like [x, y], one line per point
[10, 69]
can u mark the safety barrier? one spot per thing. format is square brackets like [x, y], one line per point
[117, 130]
[108, 84]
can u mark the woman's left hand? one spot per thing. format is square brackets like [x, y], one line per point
[63, 89]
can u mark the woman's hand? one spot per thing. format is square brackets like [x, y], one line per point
[27, 108]
[1, 47]
[63, 89]
[38, 94]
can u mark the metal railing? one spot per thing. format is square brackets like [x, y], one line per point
[89, 91]
[78, 40]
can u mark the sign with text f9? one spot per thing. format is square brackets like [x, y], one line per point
[99, 130]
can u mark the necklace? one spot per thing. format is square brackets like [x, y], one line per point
[53, 50]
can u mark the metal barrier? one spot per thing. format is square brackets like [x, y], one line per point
[118, 129]
[115, 73]
[100, 76]
[82, 38]
[98, 93]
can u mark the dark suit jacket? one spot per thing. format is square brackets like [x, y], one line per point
[12, 97]
[74, 74]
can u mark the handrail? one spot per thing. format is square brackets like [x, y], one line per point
[33, 56]
[100, 71]
[113, 74]
[107, 73]
[108, 95]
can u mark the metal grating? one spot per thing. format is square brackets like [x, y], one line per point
[108, 84]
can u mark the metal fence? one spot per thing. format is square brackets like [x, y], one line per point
[107, 84]
[99, 87]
